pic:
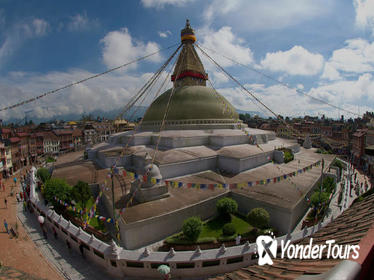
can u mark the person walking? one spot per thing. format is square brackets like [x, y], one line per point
[54, 232]
[81, 249]
[6, 226]
[68, 245]
[6, 202]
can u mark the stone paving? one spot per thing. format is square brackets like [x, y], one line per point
[69, 263]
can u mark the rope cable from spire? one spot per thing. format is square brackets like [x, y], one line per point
[284, 84]
[246, 90]
[27, 101]
[148, 84]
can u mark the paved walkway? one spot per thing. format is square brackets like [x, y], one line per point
[70, 264]
[10, 273]
[335, 209]
[19, 255]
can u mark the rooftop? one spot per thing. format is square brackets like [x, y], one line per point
[351, 227]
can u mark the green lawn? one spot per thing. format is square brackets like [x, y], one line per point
[212, 230]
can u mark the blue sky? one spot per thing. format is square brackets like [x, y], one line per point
[324, 47]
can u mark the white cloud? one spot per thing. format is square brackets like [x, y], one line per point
[330, 73]
[162, 3]
[296, 61]
[356, 57]
[120, 47]
[19, 33]
[344, 91]
[261, 15]
[364, 13]
[165, 34]
[354, 95]
[81, 22]
[224, 42]
[40, 27]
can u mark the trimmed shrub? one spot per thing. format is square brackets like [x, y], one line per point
[192, 228]
[226, 206]
[258, 217]
[288, 155]
[228, 229]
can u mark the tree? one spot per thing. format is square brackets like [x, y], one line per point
[81, 193]
[226, 206]
[192, 228]
[43, 174]
[56, 187]
[316, 198]
[258, 217]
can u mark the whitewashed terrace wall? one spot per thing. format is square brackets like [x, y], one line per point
[153, 229]
[125, 261]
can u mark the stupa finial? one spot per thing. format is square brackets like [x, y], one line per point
[188, 34]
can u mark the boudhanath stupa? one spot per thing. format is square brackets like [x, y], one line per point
[203, 147]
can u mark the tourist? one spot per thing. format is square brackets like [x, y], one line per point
[68, 245]
[6, 226]
[54, 232]
[24, 206]
[237, 239]
[81, 250]
[21, 196]
[44, 232]
[6, 202]
[17, 197]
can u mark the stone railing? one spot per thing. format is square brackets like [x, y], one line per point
[120, 262]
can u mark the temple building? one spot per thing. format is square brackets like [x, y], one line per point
[202, 141]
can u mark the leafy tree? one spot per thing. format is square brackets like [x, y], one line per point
[81, 193]
[228, 229]
[258, 217]
[56, 187]
[315, 199]
[192, 228]
[226, 206]
[329, 184]
[43, 174]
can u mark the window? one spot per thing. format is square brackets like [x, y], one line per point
[97, 253]
[135, 264]
[156, 265]
[235, 260]
[186, 265]
[210, 263]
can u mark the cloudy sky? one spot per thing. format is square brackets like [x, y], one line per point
[323, 48]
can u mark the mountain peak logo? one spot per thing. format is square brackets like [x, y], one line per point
[266, 249]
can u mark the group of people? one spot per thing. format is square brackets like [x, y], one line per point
[20, 197]
[355, 184]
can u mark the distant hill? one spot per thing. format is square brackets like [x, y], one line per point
[252, 113]
[133, 114]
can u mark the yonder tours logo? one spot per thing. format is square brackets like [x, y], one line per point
[267, 250]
